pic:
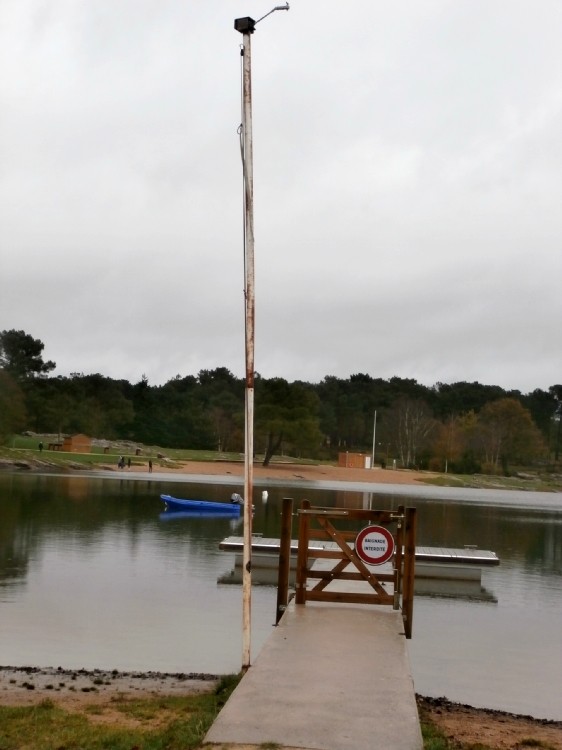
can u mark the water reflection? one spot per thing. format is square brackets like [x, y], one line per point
[470, 590]
[92, 575]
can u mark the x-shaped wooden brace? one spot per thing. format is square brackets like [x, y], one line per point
[350, 556]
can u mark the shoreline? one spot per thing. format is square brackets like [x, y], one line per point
[28, 685]
[280, 472]
[286, 473]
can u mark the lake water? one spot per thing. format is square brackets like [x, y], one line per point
[92, 575]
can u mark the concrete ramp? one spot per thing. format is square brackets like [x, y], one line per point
[328, 678]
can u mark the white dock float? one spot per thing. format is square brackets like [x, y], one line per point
[431, 562]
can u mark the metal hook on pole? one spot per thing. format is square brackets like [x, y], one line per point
[277, 7]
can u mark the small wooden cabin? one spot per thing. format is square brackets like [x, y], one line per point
[354, 460]
[77, 444]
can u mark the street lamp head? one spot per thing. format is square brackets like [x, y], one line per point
[245, 25]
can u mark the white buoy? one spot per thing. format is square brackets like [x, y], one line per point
[264, 496]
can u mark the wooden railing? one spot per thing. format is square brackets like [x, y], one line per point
[320, 524]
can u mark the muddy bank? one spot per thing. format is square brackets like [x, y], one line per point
[25, 686]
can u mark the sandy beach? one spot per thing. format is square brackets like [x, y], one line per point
[290, 471]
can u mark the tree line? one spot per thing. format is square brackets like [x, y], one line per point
[462, 427]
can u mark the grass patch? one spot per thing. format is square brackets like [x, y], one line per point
[542, 483]
[24, 448]
[433, 738]
[182, 723]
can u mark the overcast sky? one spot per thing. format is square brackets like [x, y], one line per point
[408, 187]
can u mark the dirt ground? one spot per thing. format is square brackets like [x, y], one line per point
[496, 729]
[96, 694]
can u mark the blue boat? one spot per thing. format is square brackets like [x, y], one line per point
[202, 506]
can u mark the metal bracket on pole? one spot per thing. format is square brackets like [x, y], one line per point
[245, 25]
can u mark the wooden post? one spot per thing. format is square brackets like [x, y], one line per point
[284, 558]
[302, 557]
[409, 570]
[398, 557]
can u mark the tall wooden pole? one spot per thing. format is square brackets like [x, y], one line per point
[246, 26]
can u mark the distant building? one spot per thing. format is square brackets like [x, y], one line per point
[354, 460]
[77, 444]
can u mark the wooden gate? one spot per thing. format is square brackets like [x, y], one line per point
[318, 524]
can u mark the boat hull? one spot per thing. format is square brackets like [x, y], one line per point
[200, 506]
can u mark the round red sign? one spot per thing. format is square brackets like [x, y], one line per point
[374, 545]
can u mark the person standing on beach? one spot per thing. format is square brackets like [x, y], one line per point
[150, 466]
